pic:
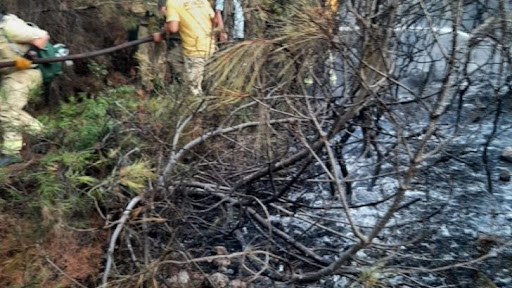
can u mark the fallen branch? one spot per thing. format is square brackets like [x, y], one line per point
[210, 259]
[263, 222]
[176, 157]
[299, 246]
[466, 264]
[111, 248]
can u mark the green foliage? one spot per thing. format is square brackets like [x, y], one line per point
[98, 70]
[50, 187]
[4, 176]
[81, 122]
[85, 166]
[61, 179]
[72, 160]
[131, 23]
[34, 96]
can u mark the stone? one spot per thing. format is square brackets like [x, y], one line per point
[507, 154]
[224, 262]
[505, 175]
[181, 280]
[183, 277]
[219, 280]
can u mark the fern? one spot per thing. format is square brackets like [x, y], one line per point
[50, 188]
[80, 123]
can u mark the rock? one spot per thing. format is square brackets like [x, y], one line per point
[181, 280]
[505, 175]
[183, 277]
[219, 280]
[222, 263]
[507, 154]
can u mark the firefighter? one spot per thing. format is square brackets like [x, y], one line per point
[17, 39]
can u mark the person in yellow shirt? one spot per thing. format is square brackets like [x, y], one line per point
[16, 39]
[333, 5]
[194, 20]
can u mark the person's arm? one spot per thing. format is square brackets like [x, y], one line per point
[40, 42]
[18, 31]
[173, 21]
[172, 27]
[169, 28]
[218, 21]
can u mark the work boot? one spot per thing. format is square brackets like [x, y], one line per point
[9, 159]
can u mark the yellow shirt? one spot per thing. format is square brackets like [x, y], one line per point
[195, 27]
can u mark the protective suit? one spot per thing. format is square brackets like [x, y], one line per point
[17, 85]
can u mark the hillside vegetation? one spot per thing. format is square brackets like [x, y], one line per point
[318, 156]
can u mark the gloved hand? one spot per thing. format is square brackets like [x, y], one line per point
[22, 63]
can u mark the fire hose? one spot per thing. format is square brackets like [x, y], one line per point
[82, 55]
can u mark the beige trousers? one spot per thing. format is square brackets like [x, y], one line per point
[15, 91]
[194, 74]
